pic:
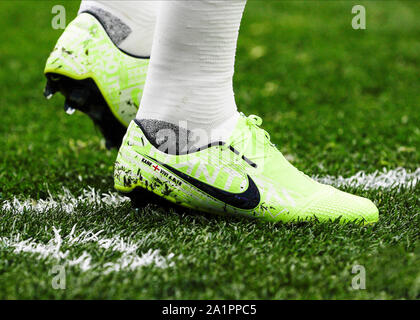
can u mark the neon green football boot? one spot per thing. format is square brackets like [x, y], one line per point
[96, 77]
[244, 175]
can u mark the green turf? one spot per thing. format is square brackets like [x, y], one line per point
[335, 101]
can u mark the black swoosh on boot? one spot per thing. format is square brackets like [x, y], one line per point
[247, 200]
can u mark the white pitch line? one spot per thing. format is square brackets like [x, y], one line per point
[52, 250]
[386, 179]
[65, 201]
[398, 178]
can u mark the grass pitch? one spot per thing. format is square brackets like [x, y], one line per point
[335, 100]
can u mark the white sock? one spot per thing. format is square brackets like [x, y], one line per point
[130, 24]
[192, 63]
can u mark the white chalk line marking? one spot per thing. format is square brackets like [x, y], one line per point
[53, 250]
[65, 201]
[398, 178]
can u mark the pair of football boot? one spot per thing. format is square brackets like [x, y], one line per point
[245, 174]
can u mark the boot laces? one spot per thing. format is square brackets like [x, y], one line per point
[253, 122]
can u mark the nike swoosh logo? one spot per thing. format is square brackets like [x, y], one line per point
[247, 200]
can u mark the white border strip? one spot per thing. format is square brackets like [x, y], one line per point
[386, 179]
[65, 201]
[53, 250]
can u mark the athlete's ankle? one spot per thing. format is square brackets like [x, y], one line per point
[129, 24]
[181, 137]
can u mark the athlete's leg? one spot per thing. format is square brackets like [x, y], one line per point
[189, 80]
